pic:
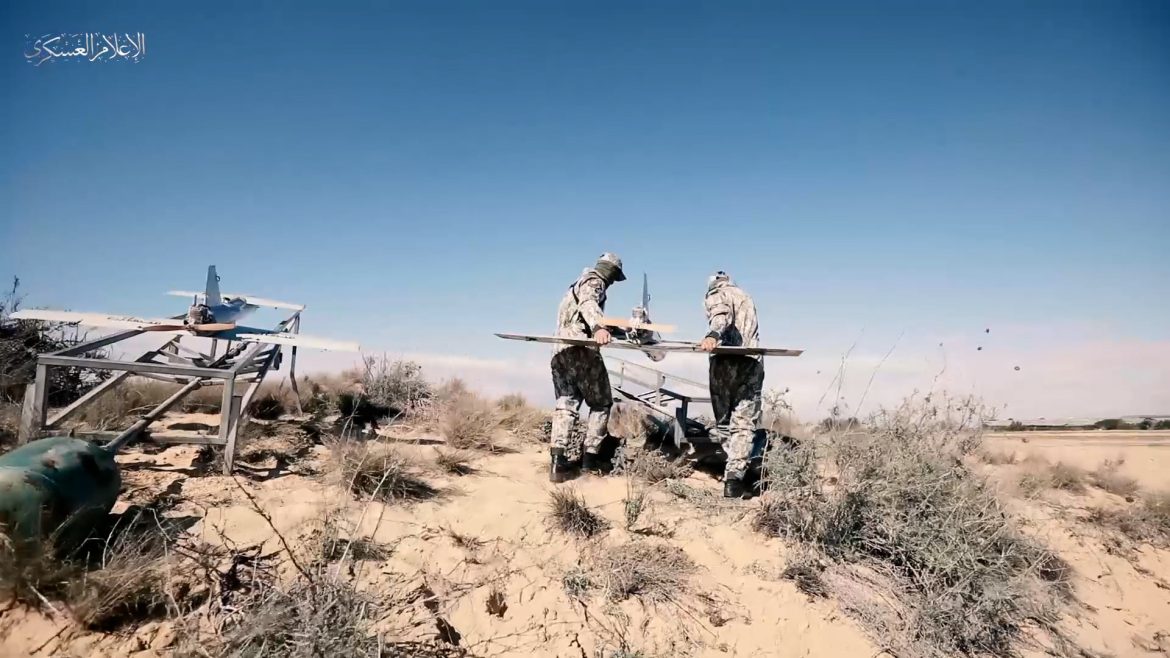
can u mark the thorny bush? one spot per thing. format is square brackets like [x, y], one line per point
[895, 494]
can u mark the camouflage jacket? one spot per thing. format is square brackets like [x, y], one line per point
[582, 307]
[731, 316]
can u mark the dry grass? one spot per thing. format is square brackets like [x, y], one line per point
[468, 422]
[1146, 522]
[996, 458]
[108, 583]
[9, 423]
[1040, 475]
[455, 462]
[805, 570]
[903, 503]
[130, 583]
[649, 465]
[521, 419]
[569, 513]
[379, 472]
[1108, 477]
[314, 610]
[655, 572]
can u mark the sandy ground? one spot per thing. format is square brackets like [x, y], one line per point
[1144, 456]
[488, 532]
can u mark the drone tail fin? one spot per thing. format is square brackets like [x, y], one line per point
[211, 294]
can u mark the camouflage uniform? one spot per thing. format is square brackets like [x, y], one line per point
[736, 382]
[579, 372]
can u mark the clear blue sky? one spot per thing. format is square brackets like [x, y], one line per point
[422, 174]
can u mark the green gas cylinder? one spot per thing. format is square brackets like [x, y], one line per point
[58, 486]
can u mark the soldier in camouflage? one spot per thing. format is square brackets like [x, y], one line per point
[579, 373]
[736, 381]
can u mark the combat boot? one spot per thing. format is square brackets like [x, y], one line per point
[733, 488]
[559, 468]
[591, 463]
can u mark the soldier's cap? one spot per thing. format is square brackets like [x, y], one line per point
[613, 261]
[717, 277]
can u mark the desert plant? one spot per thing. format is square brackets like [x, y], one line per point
[455, 462]
[569, 513]
[20, 343]
[1108, 477]
[903, 501]
[1146, 522]
[653, 571]
[649, 465]
[107, 582]
[1040, 475]
[995, 457]
[269, 405]
[379, 472]
[521, 419]
[399, 385]
[805, 570]
[469, 422]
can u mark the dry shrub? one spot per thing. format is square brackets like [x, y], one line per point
[107, 583]
[314, 610]
[455, 462]
[805, 569]
[996, 458]
[130, 399]
[129, 583]
[379, 472]
[649, 465]
[569, 513]
[272, 402]
[9, 423]
[469, 422]
[1108, 477]
[1040, 475]
[777, 415]
[521, 419]
[452, 389]
[636, 502]
[330, 618]
[1146, 522]
[655, 572]
[903, 502]
[399, 385]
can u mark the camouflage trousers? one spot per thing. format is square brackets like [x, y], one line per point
[579, 374]
[737, 384]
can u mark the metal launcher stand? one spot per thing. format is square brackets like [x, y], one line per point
[239, 370]
[663, 402]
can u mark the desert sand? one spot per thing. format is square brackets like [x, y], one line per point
[486, 535]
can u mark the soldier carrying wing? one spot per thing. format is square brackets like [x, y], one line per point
[736, 381]
[578, 372]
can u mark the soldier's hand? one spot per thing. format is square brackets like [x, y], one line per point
[602, 336]
[708, 344]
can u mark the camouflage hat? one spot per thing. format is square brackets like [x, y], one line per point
[716, 278]
[613, 261]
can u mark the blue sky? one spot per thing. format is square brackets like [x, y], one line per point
[423, 174]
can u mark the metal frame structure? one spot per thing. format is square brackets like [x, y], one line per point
[663, 402]
[240, 370]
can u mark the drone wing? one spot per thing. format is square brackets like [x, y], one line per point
[269, 303]
[300, 340]
[98, 319]
[663, 346]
